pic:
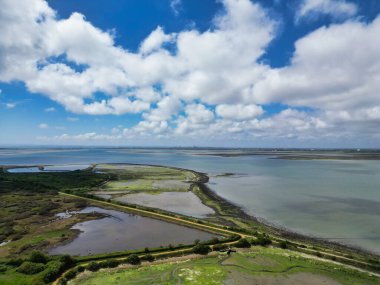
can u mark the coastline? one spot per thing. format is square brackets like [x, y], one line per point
[236, 211]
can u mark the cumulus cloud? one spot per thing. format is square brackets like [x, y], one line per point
[239, 112]
[333, 68]
[50, 109]
[155, 40]
[335, 8]
[210, 80]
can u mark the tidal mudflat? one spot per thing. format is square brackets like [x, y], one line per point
[123, 231]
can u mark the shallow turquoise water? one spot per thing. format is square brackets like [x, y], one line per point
[338, 200]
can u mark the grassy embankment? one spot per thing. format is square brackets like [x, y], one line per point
[253, 266]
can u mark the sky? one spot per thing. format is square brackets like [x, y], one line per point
[225, 73]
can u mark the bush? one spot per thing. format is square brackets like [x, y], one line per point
[262, 240]
[71, 274]
[201, 249]
[3, 268]
[283, 244]
[219, 247]
[30, 268]
[38, 257]
[55, 268]
[243, 243]
[15, 262]
[133, 259]
[67, 261]
[93, 266]
[149, 257]
[110, 263]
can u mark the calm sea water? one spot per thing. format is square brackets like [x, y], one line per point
[332, 199]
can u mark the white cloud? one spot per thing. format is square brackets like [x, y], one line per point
[43, 126]
[166, 108]
[239, 112]
[50, 109]
[155, 40]
[335, 8]
[334, 72]
[72, 119]
[333, 68]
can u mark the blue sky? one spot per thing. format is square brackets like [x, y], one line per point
[298, 73]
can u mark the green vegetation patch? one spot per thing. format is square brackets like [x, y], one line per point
[255, 266]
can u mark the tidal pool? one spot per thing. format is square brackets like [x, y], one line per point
[122, 231]
[186, 203]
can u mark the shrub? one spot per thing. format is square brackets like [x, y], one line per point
[110, 263]
[30, 268]
[93, 266]
[15, 262]
[71, 274]
[283, 244]
[243, 243]
[55, 268]
[219, 247]
[214, 240]
[80, 268]
[38, 257]
[262, 240]
[201, 249]
[3, 268]
[133, 259]
[149, 257]
[67, 261]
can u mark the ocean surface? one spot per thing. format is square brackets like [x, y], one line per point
[331, 199]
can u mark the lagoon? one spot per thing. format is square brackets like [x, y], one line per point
[331, 199]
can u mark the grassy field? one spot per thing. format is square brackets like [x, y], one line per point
[152, 179]
[253, 266]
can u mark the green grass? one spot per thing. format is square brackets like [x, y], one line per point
[146, 185]
[244, 268]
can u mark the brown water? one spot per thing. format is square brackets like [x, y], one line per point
[122, 231]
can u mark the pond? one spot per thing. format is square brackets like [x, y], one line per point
[123, 231]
